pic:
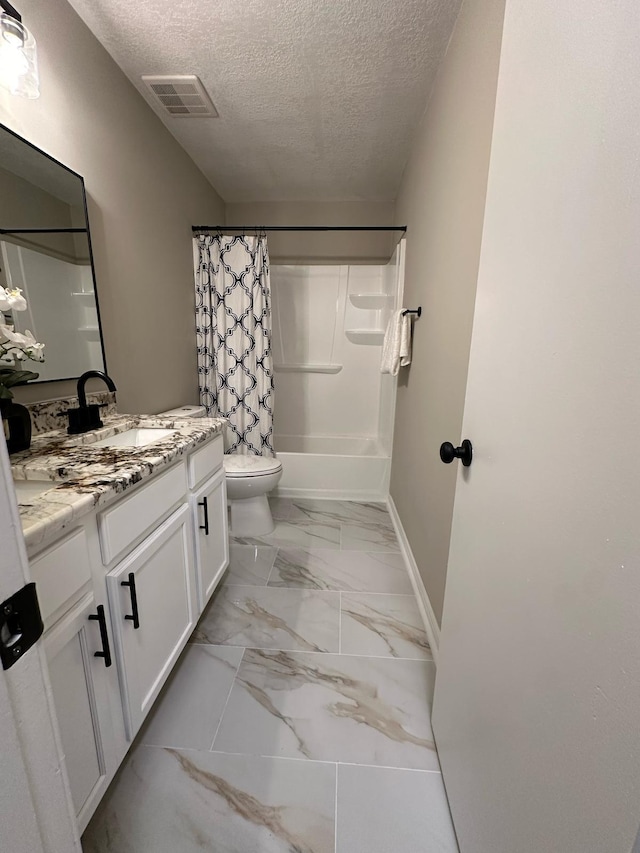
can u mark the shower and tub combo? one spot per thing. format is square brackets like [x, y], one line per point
[318, 329]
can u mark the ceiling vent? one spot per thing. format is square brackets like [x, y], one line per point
[182, 95]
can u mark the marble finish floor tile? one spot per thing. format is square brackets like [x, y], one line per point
[172, 801]
[354, 571]
[382, 810]
[266, 618]
[249, 564]
[358, 537]
[385, 625]
[188, 711]
[340, 512]
[331, 708]
[303, 534]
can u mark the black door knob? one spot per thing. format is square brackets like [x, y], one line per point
[464, 453]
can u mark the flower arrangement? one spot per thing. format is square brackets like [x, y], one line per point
[14, 346]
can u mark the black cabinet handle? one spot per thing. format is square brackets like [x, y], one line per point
[204, 503]
[464, 453]
[104, 637]
[131, 583]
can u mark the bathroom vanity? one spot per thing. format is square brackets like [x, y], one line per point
[126, 531]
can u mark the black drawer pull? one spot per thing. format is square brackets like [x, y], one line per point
[204, 503]
[104, 637]
[131, 583]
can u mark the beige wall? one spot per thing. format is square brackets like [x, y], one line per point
[321, 247]
[442, 201]
[144, 195]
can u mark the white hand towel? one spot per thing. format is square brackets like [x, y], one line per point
[396, 348]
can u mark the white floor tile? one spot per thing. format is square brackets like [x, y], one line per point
[250, 564]
[344, 570]
[392, 811]
[188, 710]
[331, 708]
[362, 538]
[385, 625]
[172, 801]
[266, 618]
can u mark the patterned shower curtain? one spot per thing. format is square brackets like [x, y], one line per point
[233, 332]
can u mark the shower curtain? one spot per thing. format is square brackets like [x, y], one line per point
[233, 333]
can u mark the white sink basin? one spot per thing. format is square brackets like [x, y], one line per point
[28, 490]
[134, 438]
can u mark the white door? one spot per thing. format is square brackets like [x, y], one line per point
[153, 612]
[537, 701]
[209, 506]
[36, 810]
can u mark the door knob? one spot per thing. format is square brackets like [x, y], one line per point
[464, 453]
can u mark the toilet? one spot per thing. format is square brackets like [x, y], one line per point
[249, 479]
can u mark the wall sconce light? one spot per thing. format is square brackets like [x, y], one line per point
[18, 60]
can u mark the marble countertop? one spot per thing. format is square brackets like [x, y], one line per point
[61, 478]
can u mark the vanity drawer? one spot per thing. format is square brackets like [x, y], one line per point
[123, 525]
[61, 572]
[205, 461]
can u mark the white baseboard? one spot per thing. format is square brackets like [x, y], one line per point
[426, 610]
[330, 494]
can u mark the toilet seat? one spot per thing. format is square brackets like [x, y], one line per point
[236, 465]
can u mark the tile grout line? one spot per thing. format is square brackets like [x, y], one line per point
[340, 624]
[301, 760]
[227, 700]
[312, 652]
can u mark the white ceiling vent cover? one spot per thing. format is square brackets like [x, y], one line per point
[181, 95]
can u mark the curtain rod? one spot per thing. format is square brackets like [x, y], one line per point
[223, 228]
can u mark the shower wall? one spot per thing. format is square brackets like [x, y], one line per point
[328, 326]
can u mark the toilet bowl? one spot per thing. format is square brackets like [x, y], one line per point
[249, 479]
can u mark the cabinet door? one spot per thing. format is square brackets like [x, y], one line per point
[153, 612]
[212, 538]
[80, 694]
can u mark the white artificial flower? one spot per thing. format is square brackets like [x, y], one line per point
[4, 300]
[15, 345]
[18, 302]
[12, 300]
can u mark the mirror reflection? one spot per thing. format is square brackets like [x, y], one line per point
[45, 252]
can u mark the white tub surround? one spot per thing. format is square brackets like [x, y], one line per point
[329, 466]
[334, 410]
[126, 546]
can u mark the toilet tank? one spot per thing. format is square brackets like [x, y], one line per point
[184, 412]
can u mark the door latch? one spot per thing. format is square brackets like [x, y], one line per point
[20, 624]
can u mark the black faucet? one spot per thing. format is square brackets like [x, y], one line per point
[87, 417]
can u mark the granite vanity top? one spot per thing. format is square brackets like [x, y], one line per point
[61, 477]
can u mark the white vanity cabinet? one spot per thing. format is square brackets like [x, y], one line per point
[209, 507]
[125, 586]
[80, 688]
[153, 612]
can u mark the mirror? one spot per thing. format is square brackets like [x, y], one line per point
[45, 250]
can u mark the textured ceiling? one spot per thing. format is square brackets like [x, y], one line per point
[318, 99]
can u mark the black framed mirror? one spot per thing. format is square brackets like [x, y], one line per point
[45, 250]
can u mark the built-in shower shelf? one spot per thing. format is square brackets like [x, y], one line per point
[87, 293]
[370, 337]
[307, 368]
[369, 301]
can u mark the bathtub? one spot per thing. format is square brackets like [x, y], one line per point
[341, 467]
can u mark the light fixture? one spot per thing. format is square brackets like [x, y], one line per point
[18, 60]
